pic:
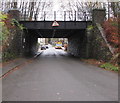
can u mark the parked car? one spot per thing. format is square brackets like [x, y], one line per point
[46, 46]
[43, 47]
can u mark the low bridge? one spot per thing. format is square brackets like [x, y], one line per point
[65, 29]
[62, 24]
[79, 41]
[75, 31]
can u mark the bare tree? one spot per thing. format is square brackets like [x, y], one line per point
[115, 6]
[79, 10]
[29, 10]
[32, 4]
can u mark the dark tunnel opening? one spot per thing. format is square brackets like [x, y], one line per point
[76, 40]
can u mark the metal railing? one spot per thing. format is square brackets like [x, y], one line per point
[39, 14]
[59, 16]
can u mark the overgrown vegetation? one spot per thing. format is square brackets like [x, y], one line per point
[8, 29]
[90, 27]
[110, 67]
[111, 31]
[17, 24]
[3, 31]
[111, 28]
[8, 56]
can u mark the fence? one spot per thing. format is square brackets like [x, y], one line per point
[59, 16]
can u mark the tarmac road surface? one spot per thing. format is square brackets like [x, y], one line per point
[54, 76]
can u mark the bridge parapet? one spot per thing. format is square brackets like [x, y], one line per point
[62, 24]
[59, 16]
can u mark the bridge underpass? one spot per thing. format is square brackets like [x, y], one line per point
[80, 42]
[74, 31]
[60, 79]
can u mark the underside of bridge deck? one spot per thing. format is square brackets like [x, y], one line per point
[55, 33]
[76, 39]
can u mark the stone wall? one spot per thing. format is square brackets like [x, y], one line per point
[14, 40]
[21, 43]
[13, 47]
[98, 48]
[98, 16]
[77, 44]
[81, 43]
[15, 13]
[90, 44]
[29, 45]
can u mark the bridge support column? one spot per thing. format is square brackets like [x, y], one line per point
[98, 47]
[33, 46]
[77, 45]
[15, 14]
[15, 37]
[29, 44]
[98, 16]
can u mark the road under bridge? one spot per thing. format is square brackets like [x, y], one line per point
[75, 31]
[80, 42]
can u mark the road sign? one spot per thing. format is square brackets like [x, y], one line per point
[55, 23]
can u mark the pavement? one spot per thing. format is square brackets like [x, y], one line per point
[12, 64]
[5, 67]
[54, 76]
